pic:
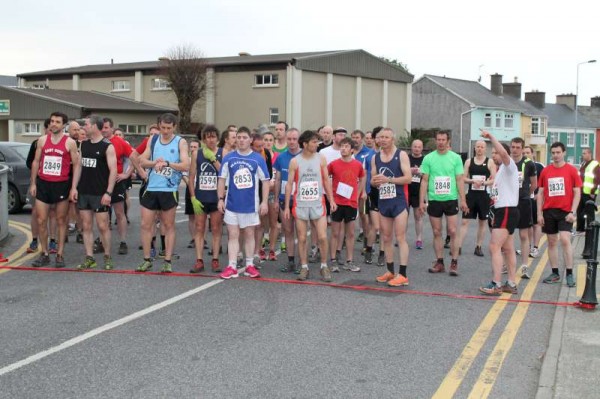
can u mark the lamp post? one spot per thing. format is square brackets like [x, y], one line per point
[576, 106]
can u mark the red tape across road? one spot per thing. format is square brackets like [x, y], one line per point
[312, 283]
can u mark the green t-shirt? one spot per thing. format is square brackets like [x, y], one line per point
[442, 171]
[279, 150]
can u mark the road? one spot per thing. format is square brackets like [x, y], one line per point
[113, 335]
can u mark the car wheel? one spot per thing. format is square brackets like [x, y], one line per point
[14, 201]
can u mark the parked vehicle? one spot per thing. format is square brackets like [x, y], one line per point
[15, 155]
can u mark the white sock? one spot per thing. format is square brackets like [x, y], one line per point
[305, 267]
[323, 265]
[249, 262]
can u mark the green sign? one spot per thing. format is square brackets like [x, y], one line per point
[4, 107]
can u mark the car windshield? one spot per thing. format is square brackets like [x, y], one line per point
[21, 150]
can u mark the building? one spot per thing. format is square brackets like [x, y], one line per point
[463, 107]
[592, 113]
[22, 117]
[10, 81]
[349, 88]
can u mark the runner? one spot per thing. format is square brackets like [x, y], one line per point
[51, 184]
[190, 210]
[326, 135]
[416, 159]
[536, 231]
[308, 173]
[506, 216]
[281, 144]
[442, 184]
[393, 175]
[95, 180]
[269, 139]
[559, 194]
[167, 157]
[258, 146]
[242, 171]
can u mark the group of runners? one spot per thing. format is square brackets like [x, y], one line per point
[260, 183]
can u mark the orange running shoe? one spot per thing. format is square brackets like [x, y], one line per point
[387, 276]
[398, 281]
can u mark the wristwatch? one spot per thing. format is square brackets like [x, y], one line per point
[108, 193]
[168, 164]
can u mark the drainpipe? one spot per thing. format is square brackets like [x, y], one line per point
[461, 126]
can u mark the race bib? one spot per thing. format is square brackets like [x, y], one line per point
[494, 193]
[165, 172]
[387, 191]
[416, 179]
[520, 179]
[480, 178]
[309, 191]
[208, 183]
[556, 186]
[52, 166]
[88, 162]
[242, 179]
[344, 190]
[283, 184]
[442, 184]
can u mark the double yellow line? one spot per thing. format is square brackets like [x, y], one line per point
[491, 369]
[17, 258]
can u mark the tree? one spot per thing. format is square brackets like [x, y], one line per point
[395, 63]
[184, 66]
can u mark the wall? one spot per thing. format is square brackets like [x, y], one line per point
[344, 101]
[104, 85]
[372, 104]
[4, 130]
[501, 133]
[314, 100]
[397, 107]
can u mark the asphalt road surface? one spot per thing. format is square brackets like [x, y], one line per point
[124, 335]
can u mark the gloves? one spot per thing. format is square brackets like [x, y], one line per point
[197, 205]
[208, 154]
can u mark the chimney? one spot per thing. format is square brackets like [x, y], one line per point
[243, 54]
[566, 99]
[595, 102]
[512, 89]
[496, 84]
[536, 98]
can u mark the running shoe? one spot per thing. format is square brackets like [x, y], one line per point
[251, 272]
[198, 266]
[33, 247]
[524, 272]
[161, 253]
[385, 277]
[59, 262]
[447, 242]
[419, 244]
[144, 266]
[42, 261]
[381, 260]
[191, 244]
[108, 263]
[478, 251]
[79, 238]
[510, 289]
[88, 263]
[283, 247]
[303, 276]
[369, 257]
[334, 268]
[289, 268]
[229, 272]
[326, 275]
[123, 248]
[552, 278]
[216, 268]
[262, 256]
[167, 268]
[491, 289]
[52, 247]
[272, 256]
[570, 280]
[453, 268]
[437, 267]
[351, 266]
[398, 281]
[534, 253]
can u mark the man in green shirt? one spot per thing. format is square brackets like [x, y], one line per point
[442, 184]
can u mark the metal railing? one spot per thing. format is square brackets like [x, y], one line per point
[3, 202]
[589, 299]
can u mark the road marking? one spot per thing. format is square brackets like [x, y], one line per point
[117, 323]
[461, 367]
[25, 229]
[581, 270]
[491, 369]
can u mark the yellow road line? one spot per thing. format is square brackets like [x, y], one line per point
[461, 367]
[491, 369]
[15, 257]
[580, 271]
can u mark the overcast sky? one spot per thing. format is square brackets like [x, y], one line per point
[541, 44]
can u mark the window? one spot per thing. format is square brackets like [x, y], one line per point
[535, 127]
[508, 121]
[161, 84]
[273, 116]
[585, 140]
[266, 80]
[120, 85]
[133, 129]
[32, 128]
[38, 86]
[487, 120]
[571, 160]
[554, 137]
[498, 119]
[570, 139]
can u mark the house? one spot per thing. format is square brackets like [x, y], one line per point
[23, 118]
[10, 81]
[463, 107]
[592, 113]
[349, 88]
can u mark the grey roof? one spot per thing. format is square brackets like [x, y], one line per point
[590, 113]
[350, 62]
[478, 95]
[560, 115]
[8, 80]
[93, 100]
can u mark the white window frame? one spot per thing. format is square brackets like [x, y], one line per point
[509, 118]
[487, 120]
[585, 140]
[26, 130]
[261, 78]
[571, 139]
[571, 160]
[535, 125]
[120, 86]
[159, 84]
[273, 116]
[554, 137]
[498, 120]
[134, 129]
[38, 86]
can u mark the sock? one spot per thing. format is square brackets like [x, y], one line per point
[323, 265]
[162, 243]
[369, 249]
[390, 267]
[441, 260]
[122, 242]
[249, 262]
[305, 267]
[291, 259]
[34, 239]
[53, 240]
[535, 247]
[403, 270]
[167, 260]
[338, 252]
[232, 264]
[569, 272]
[555, 270]
[455, 260]
[381, 253]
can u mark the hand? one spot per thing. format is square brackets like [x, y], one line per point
[477, 183]
[74, 195]
[423, 208]
[263, 209]
[464, 207]
[33, 190]
[363, 195]
[143, 175]
[570, 218]
[286, 213]
[105, 200]
[485, 134]
[540, 219]
[378, 180]
[197, 205]
[221, 206]
[208, 154]
[122, 176]
[333, 206]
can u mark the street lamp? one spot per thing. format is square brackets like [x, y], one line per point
[576, 106]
